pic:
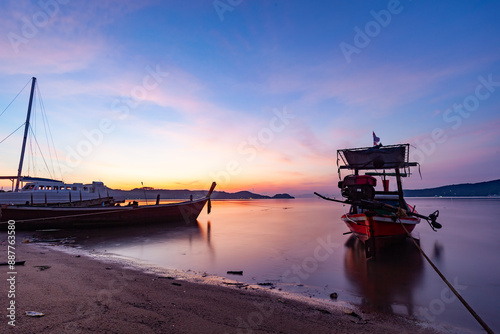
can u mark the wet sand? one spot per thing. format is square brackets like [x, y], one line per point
[79, 294]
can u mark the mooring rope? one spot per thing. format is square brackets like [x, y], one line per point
[349, 219]
[467, 306]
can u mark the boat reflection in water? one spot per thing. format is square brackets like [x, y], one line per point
[386, 283]
[146, 243]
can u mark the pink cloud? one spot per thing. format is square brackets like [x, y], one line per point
[374, 89]
[69, 39]
[462, 157]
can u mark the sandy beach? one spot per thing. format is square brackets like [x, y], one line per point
[79, 294]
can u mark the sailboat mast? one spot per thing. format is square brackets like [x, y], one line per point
[26, 128]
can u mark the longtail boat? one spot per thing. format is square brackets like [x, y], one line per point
[27, 217]
[377, 214]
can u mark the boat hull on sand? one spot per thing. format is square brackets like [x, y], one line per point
[33, 218]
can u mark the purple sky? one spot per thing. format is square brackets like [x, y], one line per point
[256, 95]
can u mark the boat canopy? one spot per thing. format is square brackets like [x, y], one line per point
[38, 179]
[376, 157]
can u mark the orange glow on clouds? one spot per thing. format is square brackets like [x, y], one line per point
[142, 92]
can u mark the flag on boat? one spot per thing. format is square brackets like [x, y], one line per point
[376, 140]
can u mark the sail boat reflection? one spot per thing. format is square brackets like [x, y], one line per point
[387, 281]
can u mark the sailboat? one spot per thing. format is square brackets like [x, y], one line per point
[46, 203]
[27, 189]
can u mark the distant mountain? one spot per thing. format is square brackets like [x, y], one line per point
[140, 193]
[489, 188]
[283, 196]
[238, 195]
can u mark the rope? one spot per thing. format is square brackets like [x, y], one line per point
[45, 126]
[20, 126]
[48, 133]
[15, 98]
[72, 216]
[349, 219]
[467, 306]
[41, 153]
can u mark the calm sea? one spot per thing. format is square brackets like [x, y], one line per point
[298, 245]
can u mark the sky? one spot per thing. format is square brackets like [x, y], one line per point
[255, 95]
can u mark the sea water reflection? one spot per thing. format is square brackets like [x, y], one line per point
[388, 283]
[298, 246]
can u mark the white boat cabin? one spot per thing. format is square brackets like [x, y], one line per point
[35, 184]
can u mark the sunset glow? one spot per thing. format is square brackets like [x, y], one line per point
[256, 95]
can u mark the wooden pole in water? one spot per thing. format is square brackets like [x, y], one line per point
[145, 196]
[157, 199]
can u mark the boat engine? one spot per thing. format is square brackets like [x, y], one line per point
[358, 187]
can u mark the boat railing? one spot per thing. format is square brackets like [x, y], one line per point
[386, 195]
[403, 165]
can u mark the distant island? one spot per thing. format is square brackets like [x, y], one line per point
[489, 188]
[140, 193]
[484, 189]
[247, 195]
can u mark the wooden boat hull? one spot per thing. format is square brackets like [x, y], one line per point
[32, 218]
[379, 226]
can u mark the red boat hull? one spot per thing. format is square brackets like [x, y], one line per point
[378, 226]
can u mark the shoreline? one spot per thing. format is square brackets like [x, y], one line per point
[81, 293]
